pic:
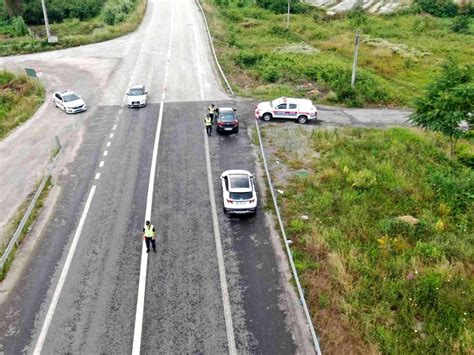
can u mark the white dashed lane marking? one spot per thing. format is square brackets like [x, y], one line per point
[111, 135]
[108, 144]
[101, 164]
[114, 127]
[106, 153]
[97, 176]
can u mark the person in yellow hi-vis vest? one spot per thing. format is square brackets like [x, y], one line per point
[212, 112]
[208, 123]
[149, 236]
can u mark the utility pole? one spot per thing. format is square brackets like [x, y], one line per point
[354, 65]
[46, 22]
[288, 18]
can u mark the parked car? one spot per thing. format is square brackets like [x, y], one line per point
[137, 96]
[238, 192]
[69, 101]
[302, 110]
[226, 120]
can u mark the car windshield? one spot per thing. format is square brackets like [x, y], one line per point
[70, 97]
[241, 195]
[136, 92]
[227, 116]
[239, 181]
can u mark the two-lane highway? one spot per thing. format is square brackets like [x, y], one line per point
[214, 285]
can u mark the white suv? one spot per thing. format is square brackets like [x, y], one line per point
[302, 110]
[238, 192]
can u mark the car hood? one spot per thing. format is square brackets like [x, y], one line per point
[136, 98]
[264, 105]
[75, 103]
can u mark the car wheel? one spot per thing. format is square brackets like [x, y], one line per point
[267, 116]
[302, 119]
[237, 130]
[224, 210]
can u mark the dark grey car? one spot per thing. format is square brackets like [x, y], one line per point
[226, 120]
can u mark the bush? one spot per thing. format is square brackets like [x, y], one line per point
[278, 6]
[247, 59]
[271, 74]
[59, 10]
[358, 19]
[438, 8]
[19, 26]
[460, 24]
[115, 11]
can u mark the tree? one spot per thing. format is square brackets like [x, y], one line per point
[448, 102]
[277, 6]
[13, 7]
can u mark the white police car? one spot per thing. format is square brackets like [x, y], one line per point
[69, 101]
[302, 110]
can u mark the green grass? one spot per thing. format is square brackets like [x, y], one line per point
[396, 287]
[251, 45]
[20, 97]
[71, 32]
[15, 222]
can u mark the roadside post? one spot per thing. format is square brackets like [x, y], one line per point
[354, 65]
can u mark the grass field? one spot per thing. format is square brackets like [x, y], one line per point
[386, 256]
[71, 32]
[398, 54]
[20, 97]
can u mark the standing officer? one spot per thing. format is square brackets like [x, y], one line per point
[208, 123]
[212, 112]
[149, 236]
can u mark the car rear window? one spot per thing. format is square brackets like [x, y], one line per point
[227, 116]
[70, 97]
[239, 181]
[241, 195]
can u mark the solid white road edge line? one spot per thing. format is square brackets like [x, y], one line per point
[217, 236]
[220, 256]
[137, 334]
[62, 277]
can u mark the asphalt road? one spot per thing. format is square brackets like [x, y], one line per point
[102, 205]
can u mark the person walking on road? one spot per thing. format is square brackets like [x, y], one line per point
[212, 112]
[208, 123]
[149, 236]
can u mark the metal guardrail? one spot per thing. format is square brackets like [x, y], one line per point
[16, 236]
[288, 250]
[213, 50]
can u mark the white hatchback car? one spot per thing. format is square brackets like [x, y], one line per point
[238, 192]
[137, 96]
[69, 101]
[302, 110]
